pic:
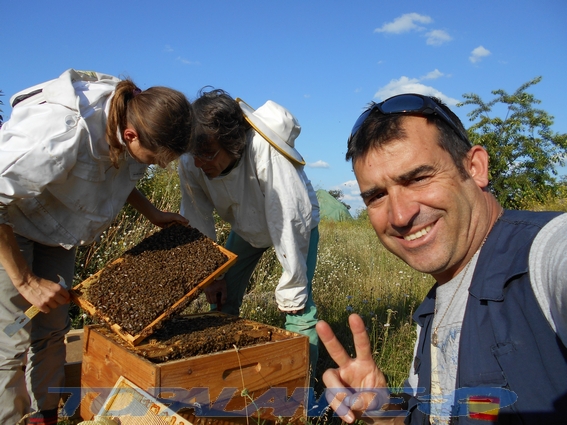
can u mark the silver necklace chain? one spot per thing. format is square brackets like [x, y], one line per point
[434, 337]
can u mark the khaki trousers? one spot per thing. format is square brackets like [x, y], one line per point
[33, 360]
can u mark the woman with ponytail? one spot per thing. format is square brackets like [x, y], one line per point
[70, 157]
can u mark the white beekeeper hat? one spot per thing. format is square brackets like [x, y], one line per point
[275, 124]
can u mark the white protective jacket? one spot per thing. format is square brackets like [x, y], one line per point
[267, 200]
[57, 183]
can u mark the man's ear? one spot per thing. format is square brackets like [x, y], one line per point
[477, 165]
[130, 134]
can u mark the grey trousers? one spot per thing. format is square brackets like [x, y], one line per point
[33, 360]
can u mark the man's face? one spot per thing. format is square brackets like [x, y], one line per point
[419, 205]
[214, 161]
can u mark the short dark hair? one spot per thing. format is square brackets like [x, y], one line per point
[218, 117]
[379, 129]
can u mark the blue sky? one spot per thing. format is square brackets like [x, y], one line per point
[323, 60]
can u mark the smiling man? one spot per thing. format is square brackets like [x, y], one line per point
[492, 332]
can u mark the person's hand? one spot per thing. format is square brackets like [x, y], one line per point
[211, 291]
[164, 219]
[43, 293]
[157, 217]
[352, 388]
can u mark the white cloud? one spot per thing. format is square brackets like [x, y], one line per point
[318, 164]
[437, 37]
[169, 49]
[479, 53]
[350, 188]
[351, 184]
[405, 23]
[432, 75]
[351, 196]
[187, 61]
[414, 22]
[412, 85]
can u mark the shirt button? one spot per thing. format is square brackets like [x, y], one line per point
[71, 120]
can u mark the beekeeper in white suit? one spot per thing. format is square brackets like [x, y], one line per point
[70, 157]
[243, 164]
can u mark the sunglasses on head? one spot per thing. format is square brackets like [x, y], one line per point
[409, 104]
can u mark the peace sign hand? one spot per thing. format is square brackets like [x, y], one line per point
[357, 385]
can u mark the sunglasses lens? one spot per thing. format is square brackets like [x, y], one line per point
[403, 103]
[361, 120]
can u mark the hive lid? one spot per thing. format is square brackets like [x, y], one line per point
[125, 295]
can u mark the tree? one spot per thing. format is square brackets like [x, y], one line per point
[338, 195]
[524, 151]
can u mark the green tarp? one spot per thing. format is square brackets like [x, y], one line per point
[331, 208]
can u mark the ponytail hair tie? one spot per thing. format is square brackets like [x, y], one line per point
[136, 92]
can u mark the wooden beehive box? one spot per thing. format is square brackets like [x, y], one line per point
[80, 293]
[270, 372]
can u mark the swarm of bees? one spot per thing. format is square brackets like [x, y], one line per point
[154, 275]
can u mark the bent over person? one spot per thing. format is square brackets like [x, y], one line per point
[70, 157]
[492, 332]
[243, 164]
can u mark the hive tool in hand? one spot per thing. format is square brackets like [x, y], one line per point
[25, 317]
